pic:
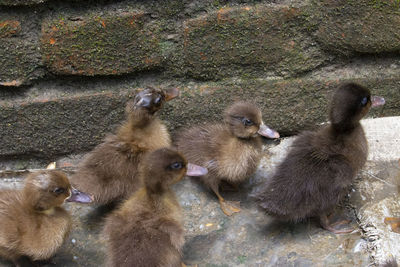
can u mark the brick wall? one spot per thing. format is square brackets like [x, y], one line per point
[68, 67]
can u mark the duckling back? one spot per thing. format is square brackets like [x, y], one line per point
[140, 235]
[24, 232]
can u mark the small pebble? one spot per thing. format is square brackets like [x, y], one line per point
[73, 241]
[75, 257]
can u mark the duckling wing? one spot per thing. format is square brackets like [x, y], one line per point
[305, 183]
[200, 144]
[108, 172]
[10, 214]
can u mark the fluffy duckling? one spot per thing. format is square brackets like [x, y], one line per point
[33, 223]
[147, 229]
[321, 165]
[390, 263]
[109, 172]
[230, 151]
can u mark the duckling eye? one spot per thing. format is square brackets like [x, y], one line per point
[157, 100]
[176, 165]
[247, 122]
[59, 190]
[364, 101]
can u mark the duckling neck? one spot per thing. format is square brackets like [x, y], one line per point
[139, 118]
[344, 128]
[37, 208]
[134, 125]
[159, 199]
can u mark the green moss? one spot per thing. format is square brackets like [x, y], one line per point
[241, 259]
[102, 45]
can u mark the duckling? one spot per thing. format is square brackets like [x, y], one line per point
[389, 263]
[231, 151]
[147, 228]
[109, 172]
[321, 165]
[33, 223]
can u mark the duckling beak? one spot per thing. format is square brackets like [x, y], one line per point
[78, 196]
[377, 101]
[145, 100]
[195, 170]
[171, 93]
[267, 132]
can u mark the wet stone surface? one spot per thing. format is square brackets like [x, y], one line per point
[251, 238]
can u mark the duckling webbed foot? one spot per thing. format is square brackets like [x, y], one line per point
[394, 223]
[339, 226]
[229, 207]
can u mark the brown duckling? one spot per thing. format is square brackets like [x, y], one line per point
[147, 229]
[33, 223]
[109, 172]
[231, 151]
[321, 165]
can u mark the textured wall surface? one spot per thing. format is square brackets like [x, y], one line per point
[68, 67]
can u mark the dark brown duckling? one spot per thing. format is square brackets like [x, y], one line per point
[321, 165]
[147, 229]
[109, 172]
[33, 223]
[390, 263]
[231, 151]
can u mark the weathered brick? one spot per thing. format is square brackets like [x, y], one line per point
[20, 61]
[249, 39]
[108, 44]
[20, 2]
[357, 26]
[9, 28]
[47, 128]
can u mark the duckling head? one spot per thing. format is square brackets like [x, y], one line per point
[45, 190]
[164, 167]
[245, 121]
[150, 100]
[350, 103]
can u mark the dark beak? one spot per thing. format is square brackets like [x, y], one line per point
[78, 196]
[195, 170]
[171, 94]
[144, 101]
[377, 101]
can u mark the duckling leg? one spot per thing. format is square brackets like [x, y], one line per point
[394, 223]
[228, 207]
[340, 226]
